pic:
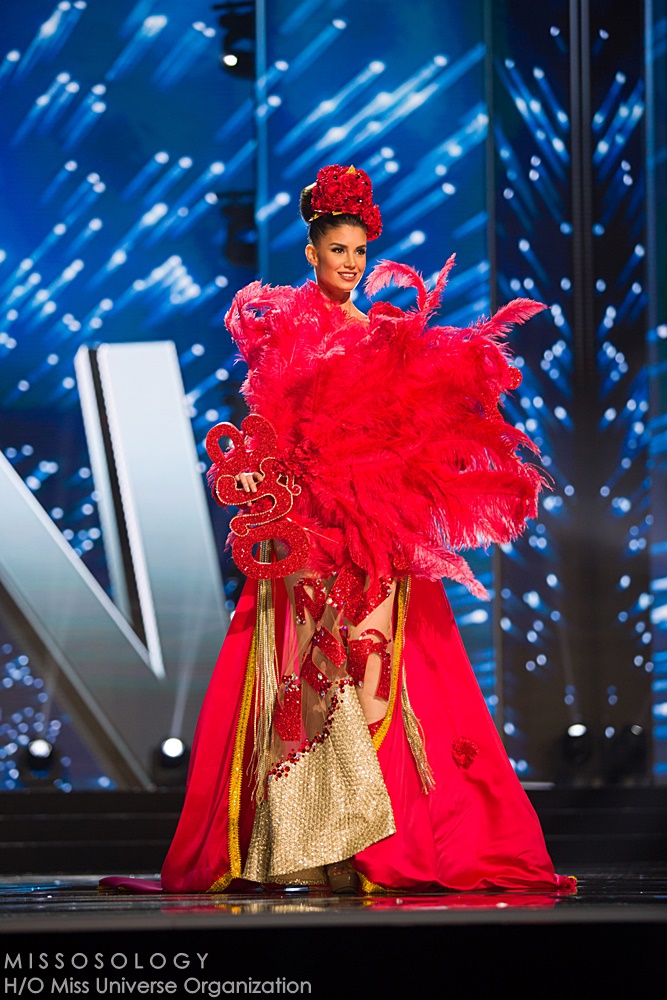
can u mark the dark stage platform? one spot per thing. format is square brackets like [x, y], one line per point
[61, 935]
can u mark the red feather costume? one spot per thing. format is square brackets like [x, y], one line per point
[392, 430]
[391, 427]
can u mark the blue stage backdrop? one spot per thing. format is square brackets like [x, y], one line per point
[119, 130]
[137, 171]
[656, 78]
[571, 232]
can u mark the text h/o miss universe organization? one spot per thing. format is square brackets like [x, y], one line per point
[33, 985]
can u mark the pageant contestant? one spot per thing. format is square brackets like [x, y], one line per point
[343, 738]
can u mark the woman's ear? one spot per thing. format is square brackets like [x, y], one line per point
[311, 254]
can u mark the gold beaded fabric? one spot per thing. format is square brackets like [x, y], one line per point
[321, 797]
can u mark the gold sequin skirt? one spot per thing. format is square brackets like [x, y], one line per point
[330, 804]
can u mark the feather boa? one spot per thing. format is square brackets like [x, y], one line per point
[391, 426]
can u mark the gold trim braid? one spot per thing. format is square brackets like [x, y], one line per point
[399, 637]
[221, 883]
[236, 775]
[411, 724]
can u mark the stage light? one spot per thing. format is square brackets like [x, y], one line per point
[240, 248]
[170, 763]
[173, 748]
[237, 21]
[38, 763]
[39, 752]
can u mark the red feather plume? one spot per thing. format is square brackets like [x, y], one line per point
[391, 426]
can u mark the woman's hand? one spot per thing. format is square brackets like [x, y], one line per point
[249, 480]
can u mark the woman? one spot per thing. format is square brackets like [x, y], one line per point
[344, 737]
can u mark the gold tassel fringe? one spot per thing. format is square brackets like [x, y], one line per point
[266, 685]
[415, 735]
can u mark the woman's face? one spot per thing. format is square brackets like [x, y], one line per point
[339, 260]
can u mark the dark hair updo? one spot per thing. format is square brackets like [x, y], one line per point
[319, 227]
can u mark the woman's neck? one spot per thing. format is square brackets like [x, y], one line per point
[345, 303]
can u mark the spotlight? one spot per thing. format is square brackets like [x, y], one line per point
[170, 763]
[237, 21]
[238, 207]
[173, 748]
[39, 763]
[40, 753]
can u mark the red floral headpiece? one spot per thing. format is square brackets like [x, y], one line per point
[346, 191]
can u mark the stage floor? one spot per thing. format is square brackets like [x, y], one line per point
[62, 930]
[74, 903]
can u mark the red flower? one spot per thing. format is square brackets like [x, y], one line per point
[464, 752]
[346, 190]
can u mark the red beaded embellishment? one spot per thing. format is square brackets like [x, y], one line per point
[359, 651]
[254, 447]
[284, 764]
[318, 681]
[348, 592]
[464, 752]
[330, 646]
[304, 602]
[287, 715]
[514, 377]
